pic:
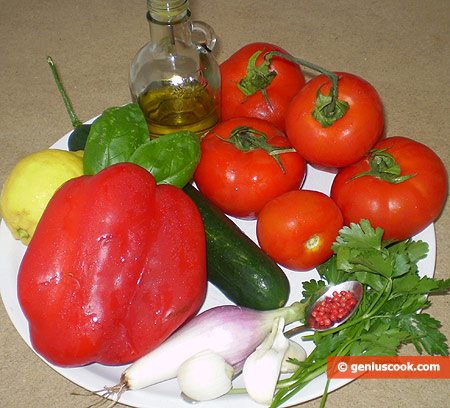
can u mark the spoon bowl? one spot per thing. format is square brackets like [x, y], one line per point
[354, 287]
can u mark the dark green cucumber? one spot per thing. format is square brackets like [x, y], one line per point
[236, 265]
[77, 139]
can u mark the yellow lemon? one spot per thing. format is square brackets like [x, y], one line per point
[31, 184]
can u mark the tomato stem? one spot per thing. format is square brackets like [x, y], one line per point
[328, 108]
[246, 139]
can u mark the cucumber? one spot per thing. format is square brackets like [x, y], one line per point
[77, 139]
[236, 265]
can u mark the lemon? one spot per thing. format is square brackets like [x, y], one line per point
[31, 184]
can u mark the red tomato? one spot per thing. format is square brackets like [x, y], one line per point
[298, 228]
[349, 138]
[403, 209]
[288, 81]
[241, 183]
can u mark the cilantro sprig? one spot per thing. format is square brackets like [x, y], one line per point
[388, 315]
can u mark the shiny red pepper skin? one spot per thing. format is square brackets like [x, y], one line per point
[115, 266]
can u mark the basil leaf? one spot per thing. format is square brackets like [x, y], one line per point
[171, 159]
[114, 136]
[121, 134]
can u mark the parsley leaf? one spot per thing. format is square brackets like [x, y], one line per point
[379, 343]
[360, 236]
[413, 284]
[311, 288]
[423, 331]
[330, 272]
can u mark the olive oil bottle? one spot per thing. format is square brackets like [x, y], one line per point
[169, 108]
[176, 80]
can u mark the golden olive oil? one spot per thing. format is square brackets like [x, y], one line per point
[169, 108]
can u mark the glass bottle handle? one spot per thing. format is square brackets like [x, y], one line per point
[208, 34]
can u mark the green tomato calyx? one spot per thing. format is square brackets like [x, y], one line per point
[328, 108]
[257, 78]
[246, 139]
[384, 167]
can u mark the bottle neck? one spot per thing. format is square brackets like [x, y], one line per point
[167, 10]
[166, 31]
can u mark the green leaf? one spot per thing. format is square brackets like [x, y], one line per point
[416, 250]
[330, 272]
[376, 282]
[344, 255]
[121, 135]
[327, 344]
[414, 303]
[405, 284]
[412, 250]
[114, 136]
[379, 338]
[413, 284]
[393, 305]
[399, 303]
[171, 159]
[310, 289]
[432, 285]
[424, 332]
[381, 343]
[401, 265]
[375, 262]
[359, 236]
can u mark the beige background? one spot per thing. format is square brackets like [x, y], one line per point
[401, 47]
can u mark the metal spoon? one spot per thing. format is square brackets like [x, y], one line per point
[354, 287]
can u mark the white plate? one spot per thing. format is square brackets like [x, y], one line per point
[167, 394]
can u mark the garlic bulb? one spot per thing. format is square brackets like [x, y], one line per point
[294, 351]
[205, 376]
[262, 368]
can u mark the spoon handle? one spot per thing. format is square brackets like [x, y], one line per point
[295, 330]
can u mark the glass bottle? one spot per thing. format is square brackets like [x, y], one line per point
[176, 80]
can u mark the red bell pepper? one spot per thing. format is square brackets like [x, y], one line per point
[115, 266]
